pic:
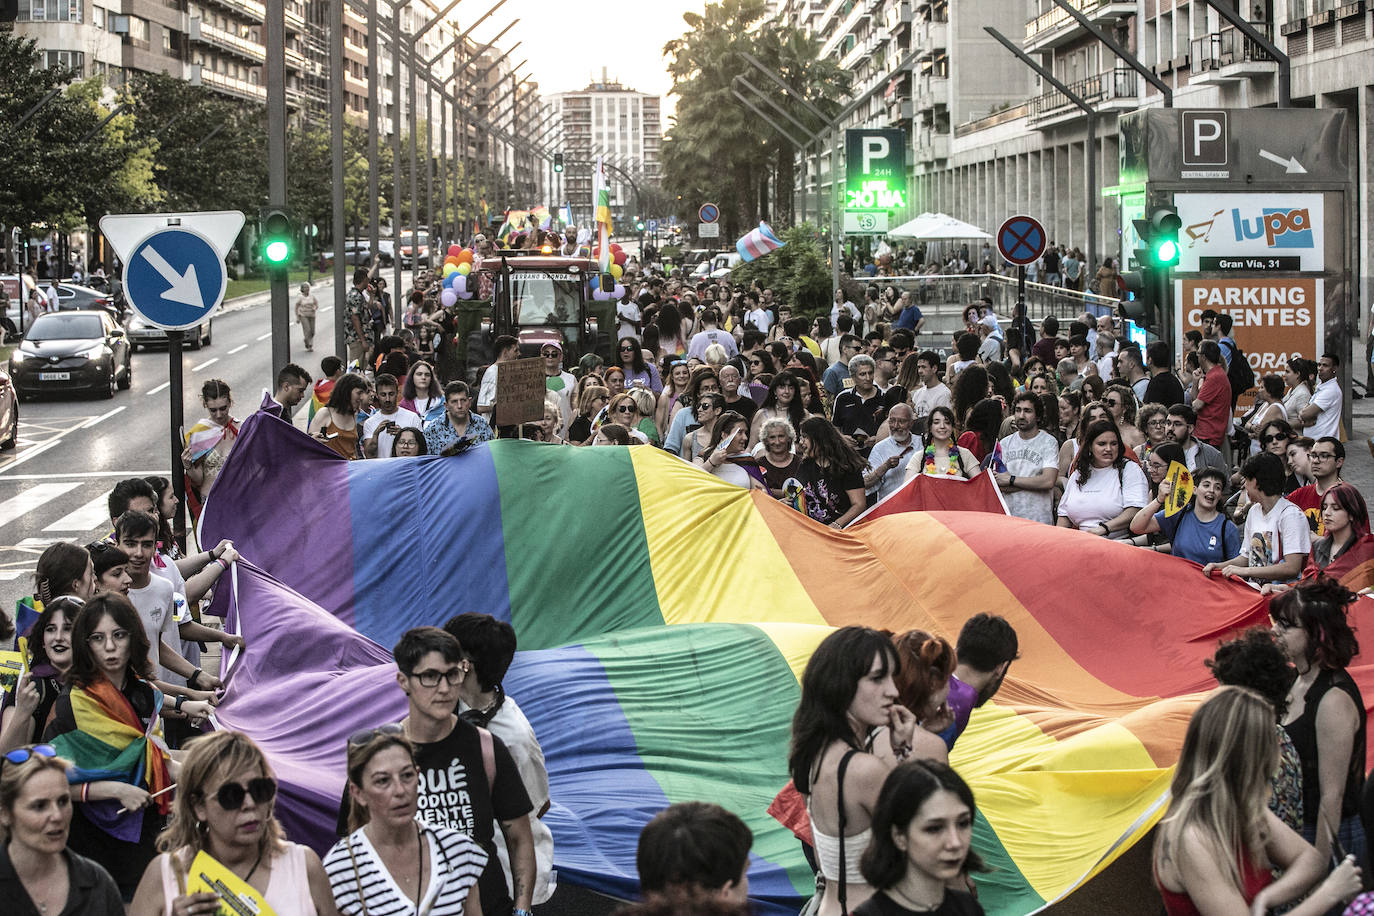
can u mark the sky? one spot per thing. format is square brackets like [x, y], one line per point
[567, 44]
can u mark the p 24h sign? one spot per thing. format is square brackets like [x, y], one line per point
[875, 169]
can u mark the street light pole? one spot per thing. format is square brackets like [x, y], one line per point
[336, 130]
[374, 93]
[279, 278]
[396, 294]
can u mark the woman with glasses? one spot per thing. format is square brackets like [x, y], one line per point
[622, 409]
[103, 720]
[704, 381]
[637, 369]
[28, 708]
[1267, 408]
[1121, 404]
[1153, 421]
[225, 796]
[393, 861]
[38, 873]
[593, 400]
[698, 439]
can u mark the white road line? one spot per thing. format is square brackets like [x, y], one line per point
[95, 514]
[43, 542]
[262, 337]
[33, 453]
[32, 498]
[327, 308]
[85, 475]
[104, 416]
[163, 387]
[9, 575]
[237, 349]
[208, 362]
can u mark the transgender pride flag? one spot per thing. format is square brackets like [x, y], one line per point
[758, 243]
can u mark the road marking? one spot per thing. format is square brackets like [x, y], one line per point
[237, 349]
[208, 362]
[32, 498]
[40, 543]
[104, 416]
[85, 475]
[262, 337]
[32, 453]
[327, 308]
[95, 514]
[163, 387]
[9, 575]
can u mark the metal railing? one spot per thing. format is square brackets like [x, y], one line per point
[954, 291]
[1054, 17]
[992, 120]
[1117, 83]
[1229, 46]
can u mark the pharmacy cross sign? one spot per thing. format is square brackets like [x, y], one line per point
[1021, 240]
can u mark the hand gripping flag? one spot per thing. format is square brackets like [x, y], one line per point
[758, 243]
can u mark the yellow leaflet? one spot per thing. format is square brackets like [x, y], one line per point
[236, 897]
[11, 665]
[1182, 492]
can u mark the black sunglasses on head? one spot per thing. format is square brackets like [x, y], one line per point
[261, 789]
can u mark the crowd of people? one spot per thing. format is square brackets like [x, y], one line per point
[113, 783]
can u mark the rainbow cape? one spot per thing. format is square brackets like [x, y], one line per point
[664, 618]
[319, 396]
[110, 743]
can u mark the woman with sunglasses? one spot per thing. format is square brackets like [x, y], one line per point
[225, 796]
[38, 873]
[1267, 408]
[698, 439]
[624, 410]
[1121, 404]
[393, 861]
[28, 708]
[636, 368]
[104, 718]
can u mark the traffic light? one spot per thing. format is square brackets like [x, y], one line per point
[1149, 289]
[558, 162]
[277, 237]
[639, 225]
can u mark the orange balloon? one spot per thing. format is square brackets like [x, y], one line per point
[465, 256]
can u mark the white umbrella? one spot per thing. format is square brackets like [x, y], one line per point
[937, 226]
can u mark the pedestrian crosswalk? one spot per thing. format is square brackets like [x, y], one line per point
[92, 515]
[31, 498]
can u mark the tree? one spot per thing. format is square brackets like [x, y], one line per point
[119, 165]
[797, 272]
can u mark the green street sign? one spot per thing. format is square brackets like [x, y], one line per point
[875, 169]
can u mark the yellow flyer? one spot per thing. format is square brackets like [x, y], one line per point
[11, 666]
[1182, 492]
[237, 898]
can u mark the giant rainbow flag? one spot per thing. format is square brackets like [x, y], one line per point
[664, 618]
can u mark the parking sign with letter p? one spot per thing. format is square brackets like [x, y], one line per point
[1206, 138]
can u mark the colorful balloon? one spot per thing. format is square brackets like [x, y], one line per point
[460, 283]
[450, 269]
[448, 297]
[465, 256]
[465, 268]
[618, 292]
[620, 258]
[453, 250]
[617, 270]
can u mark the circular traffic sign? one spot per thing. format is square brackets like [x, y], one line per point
[175, 278]
[1021, 240]
[709, 213]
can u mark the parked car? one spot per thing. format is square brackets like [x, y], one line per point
[415, 249]
[143, 334]
[72, 351]
[359, 251]
[69, 297]
[9, 413]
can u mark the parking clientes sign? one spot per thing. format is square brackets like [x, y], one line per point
[875, 169]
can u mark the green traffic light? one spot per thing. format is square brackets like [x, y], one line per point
[277, 251]
[1167, 252]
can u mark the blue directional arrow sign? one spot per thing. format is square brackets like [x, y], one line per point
[175, 278]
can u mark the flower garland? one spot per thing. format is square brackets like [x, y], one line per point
[928, 461]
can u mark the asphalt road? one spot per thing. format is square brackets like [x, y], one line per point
[73, 448]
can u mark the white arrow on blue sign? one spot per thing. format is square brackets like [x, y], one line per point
[175, 278]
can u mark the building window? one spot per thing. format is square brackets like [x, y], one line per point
[62, 59]
[166, 41]
[50, 10]
[138, 29]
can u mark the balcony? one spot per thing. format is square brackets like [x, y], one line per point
[931, 92]
[295, 60]
[227, 41]
[900, 109]
[1114, 90]
[932, 39]
[229, 85]
[1228, 56]
[931, 145]
[250, 9]
[1055, 27]
[295, 18]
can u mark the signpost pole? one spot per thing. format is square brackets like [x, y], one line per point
[1021, 286]
[176, 425]
[279, 279]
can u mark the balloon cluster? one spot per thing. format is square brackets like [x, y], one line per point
[617, 270]
[457, 267]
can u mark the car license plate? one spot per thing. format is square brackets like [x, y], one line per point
[54, 376]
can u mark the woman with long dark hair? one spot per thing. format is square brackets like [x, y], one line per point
[831, 474]
[672, 329]
[942, 455]
[336, 424]
[422, 391]
[848, 732]
[1301, 378]
[27, 710]
[637, 370]
[970, 387]
[981, 429]
[1104, 490]
[783, 401]
[727, 454]
[922, 834]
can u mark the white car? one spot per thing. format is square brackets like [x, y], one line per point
[143, 334]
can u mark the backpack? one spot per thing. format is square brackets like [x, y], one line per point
[1239, 373]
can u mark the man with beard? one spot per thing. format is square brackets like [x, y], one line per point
[987, 646]
[1032, 459]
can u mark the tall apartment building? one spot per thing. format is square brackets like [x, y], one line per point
[919, 65]
[620, 124]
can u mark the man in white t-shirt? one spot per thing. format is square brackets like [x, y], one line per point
[1032, 459]
[711, 334]
[890, 457]
[1322, 415]
[1277, 538]
[507, 348]
[841, 303]
[630, 315]
[756, 314]
[382, 425]
[151, 596]
[932, 392]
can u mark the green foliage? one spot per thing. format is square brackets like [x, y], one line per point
[798, 272]
[719, 150]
